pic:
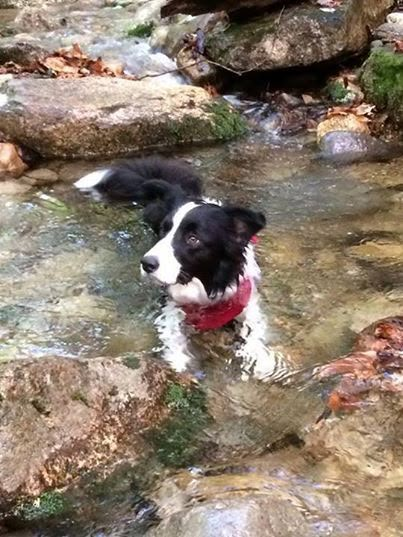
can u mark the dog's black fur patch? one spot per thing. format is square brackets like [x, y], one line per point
[216, 256]
[222, 233]
[158, 184]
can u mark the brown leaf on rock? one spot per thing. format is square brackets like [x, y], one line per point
[398, 45]
[68, 62]
[11, 162]
[377, 356]
[60, 65]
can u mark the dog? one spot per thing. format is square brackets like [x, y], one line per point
[204, 256]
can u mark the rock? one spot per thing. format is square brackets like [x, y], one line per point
[13, 188]
[12, 4]
[382, 82]
[378, 250]
[196, 69]
[396, 17]
[11, 163]
[242, 517]
[389, 32]
[41, 176]
[301, 35]
[229, 506]
[169, 37]
[196, 7]
[347, 147]
[20, 52]
[341, 122]
[102, 117]
[366, 442]
[60, 417]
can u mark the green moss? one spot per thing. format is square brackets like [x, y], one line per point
[337, 91]
[48, 504]
[141, 30]
[131, 361]
[79, 396]
[221, 123]
[227, 122]
[178, 442]
[382, 81]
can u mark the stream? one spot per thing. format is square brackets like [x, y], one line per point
[332, 263]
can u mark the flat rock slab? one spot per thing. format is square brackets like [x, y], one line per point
[60, 417]
[97, 117]
[300, 35]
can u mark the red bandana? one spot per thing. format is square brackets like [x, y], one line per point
[220, 314]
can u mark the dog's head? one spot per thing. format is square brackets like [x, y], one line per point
[204, 241]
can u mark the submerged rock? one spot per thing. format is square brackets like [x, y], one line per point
[60, 417]
[102, 117]
[382, 82]
[237, 517]
[229, 505]
[348, 146]
[299, 36]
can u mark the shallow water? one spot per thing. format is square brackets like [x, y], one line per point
[332, 260]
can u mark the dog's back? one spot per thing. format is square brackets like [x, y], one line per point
[157, 183]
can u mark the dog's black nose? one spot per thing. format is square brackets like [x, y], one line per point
[150, 264]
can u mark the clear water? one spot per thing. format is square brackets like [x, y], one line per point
[332, 262]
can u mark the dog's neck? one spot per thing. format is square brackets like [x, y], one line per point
[195, 293]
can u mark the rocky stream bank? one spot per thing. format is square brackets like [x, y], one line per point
[267, 99]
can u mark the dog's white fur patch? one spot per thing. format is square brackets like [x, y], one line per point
[91, 179]
[169, 268]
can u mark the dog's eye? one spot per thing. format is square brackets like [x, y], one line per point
[192, 240]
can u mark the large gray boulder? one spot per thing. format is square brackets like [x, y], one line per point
[60, 417]
[346, 147]
[301, 35]
[107, 117]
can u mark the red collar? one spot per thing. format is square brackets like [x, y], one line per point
[220, 314]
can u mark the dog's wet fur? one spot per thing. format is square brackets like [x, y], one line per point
[200, 241]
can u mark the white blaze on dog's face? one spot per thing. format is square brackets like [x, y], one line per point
[162, 253]
[204, 244]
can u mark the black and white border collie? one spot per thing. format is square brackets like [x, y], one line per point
[204, 256]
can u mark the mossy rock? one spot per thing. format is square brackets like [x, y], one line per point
[47, 505]
[141, 30]
[382, 82]
[178, 442]
[97, 117]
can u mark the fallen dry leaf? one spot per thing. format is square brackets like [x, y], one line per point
[68, 62]
[10, 161]
[398, 45]
[342, 121]
[307, 99]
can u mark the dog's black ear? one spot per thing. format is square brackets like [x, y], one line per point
[246, 222]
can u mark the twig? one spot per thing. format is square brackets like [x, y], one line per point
[154, 75]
